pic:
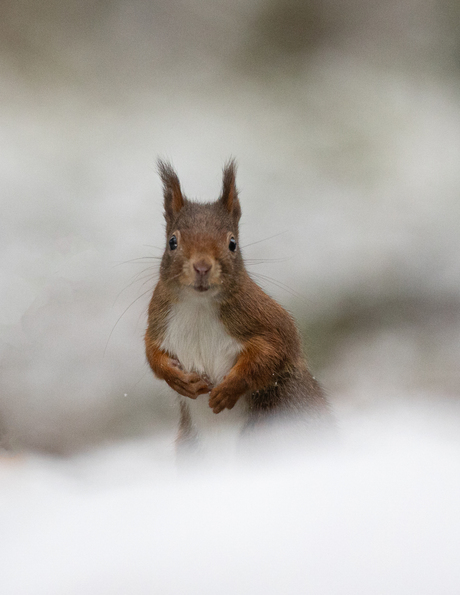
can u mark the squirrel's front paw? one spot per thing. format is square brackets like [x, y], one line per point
[222, 398]
[188, 384]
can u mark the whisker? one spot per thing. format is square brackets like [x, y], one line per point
[151, 268]
[154, 247]
[278, 284]
[146, 280]
[265, 239]
[134, 384]
[136, 260]
[178, 274]
[121, 316]
[135, 280]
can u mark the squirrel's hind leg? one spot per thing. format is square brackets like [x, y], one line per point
[187, 438]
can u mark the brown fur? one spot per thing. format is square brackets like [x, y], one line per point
[271, 371]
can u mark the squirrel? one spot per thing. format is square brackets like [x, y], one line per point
[213, 331]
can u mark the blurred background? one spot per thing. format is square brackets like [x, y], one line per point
[344, 118]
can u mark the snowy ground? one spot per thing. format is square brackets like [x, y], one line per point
[376, 513]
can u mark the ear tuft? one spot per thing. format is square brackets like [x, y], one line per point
[173, 199]
[229, 196]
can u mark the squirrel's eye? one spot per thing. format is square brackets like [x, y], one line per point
[173, 243]
[232, 245]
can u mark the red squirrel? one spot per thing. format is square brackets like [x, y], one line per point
[212, 330]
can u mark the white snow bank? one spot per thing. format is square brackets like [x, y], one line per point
[377, 513]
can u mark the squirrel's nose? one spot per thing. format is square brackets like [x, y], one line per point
[202, 267]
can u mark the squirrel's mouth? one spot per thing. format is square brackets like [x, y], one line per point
[205, 287]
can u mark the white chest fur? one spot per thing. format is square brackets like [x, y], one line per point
[197, 337]
[199, 340]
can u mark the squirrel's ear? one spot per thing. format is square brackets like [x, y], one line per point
[229, 196]
[174, 201]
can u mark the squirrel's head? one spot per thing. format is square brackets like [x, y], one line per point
[202, 252]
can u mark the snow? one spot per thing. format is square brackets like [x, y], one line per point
[376, 512]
